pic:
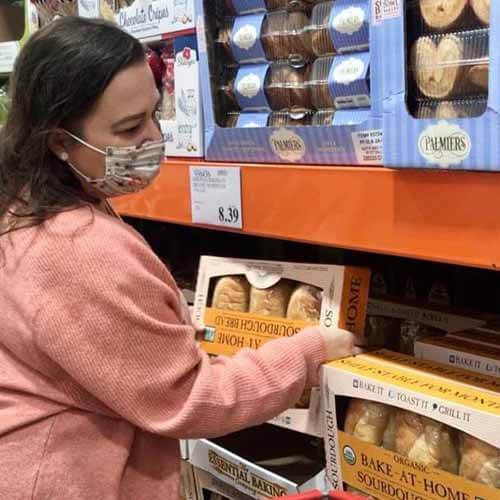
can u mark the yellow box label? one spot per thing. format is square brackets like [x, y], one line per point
[379, 367]
[226, 332]
[387, 476]
[355, 291]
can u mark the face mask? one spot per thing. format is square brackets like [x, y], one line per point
[127, 169]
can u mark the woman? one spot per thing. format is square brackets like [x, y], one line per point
[99, 371]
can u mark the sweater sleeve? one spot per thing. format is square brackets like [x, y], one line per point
[109, 316]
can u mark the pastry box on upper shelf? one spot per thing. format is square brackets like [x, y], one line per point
[440, 87]
[296, 84]
[152, 20]
[245, 303]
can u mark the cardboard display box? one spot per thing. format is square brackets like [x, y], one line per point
[341, 301]
[456, 352]
[456, 123]
[152, 20]
[350, 136]
[12, 28]
[397, 427]
[183, 133]
[397, 324]
[335, 295]
[263, 462]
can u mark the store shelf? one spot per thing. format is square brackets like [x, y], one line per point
[443, 216]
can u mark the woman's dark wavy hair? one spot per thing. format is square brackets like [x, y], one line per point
[59, 75]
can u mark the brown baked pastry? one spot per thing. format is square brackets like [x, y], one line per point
[224, 37]
[299, 36]
[285, 35]
[437, 66]
[274, 43]
[323, 118]
[367, 420]
[482, 10]
[321, 98]
[305, 304]
[447, 110]
[480, 461]
[286, 87]
[321, 39]
[426, 441]
[231, 293]
[271, 301]
[225, 91]
[443, 15]
[478, 75]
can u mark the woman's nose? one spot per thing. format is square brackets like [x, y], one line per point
[153, 132]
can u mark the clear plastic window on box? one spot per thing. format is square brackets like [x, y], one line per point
[447, 56]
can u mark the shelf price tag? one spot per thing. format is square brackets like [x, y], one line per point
[216, 196]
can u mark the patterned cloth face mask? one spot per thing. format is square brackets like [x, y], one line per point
[127, 169]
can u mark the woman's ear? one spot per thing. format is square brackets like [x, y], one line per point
[60, 143]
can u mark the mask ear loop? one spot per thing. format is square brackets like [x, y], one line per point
[81, 141]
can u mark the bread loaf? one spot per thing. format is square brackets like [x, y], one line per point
[426, 441]
[389, 438]
[305, 304]
[286, 87]
[482, 10]
[437, 65]
[232, 293]
[271, 301]
[480, 462]
[367, 420]
[443, 15]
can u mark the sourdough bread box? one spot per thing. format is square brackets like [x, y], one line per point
[245, 303]
[398, 427]
[453, 351]
[397, 324]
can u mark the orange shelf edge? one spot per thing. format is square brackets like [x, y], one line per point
[449, 217]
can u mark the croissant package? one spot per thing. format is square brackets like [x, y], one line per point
[397, 427]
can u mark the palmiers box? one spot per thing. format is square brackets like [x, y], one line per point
[398, 427]
[273, 82]
[245, 303]
[440, 91]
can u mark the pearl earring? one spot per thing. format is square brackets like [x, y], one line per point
[64, 156]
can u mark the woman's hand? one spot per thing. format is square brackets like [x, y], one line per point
[339, 343]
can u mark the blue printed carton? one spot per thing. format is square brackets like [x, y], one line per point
[356, 140]
[439, 113]
[267, 36]
[340, 26]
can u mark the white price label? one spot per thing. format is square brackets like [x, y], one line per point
[216, 196]
[8, 54]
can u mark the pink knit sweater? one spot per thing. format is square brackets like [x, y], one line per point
[100, 375]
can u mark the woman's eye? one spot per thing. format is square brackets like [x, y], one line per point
[131, 130]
